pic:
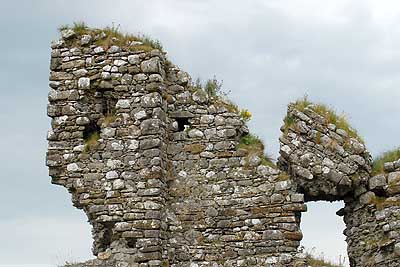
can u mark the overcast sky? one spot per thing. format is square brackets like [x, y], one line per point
[267, 52]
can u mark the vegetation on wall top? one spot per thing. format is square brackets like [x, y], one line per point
[252, 144]
[326, 112]
[388, 156]
[112, 35]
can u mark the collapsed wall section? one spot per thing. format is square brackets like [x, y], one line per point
[323, 160]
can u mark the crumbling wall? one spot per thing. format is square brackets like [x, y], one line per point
[154, 164]
[107, 144]
[373, 221]
[323, 160]
[225, 208]
[327, 163]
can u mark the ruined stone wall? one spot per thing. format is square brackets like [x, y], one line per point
[154, 164]
[326, 163]
[373, 221]
[107, 145]
[225, 208]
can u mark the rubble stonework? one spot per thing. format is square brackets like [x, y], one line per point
[324, 161]
[373, 221]
[155, 165]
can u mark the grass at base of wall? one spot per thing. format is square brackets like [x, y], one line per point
[112, 35]
[328, 113]
[314, 260]
[388, 156]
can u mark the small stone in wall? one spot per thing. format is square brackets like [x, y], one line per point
[254, 160]
[67, 34]
[140, 115]
[151, 66]
[285, 151]
[82, 121]
[123, 103]
[195, 133]
[83, 83]
[112, 175]
[73, 167]
[199, 96]
[150, 126]
[85, 39]
[80, 72]
[134, 59]
[367, 198]
[283, 185]
[114, 49]
[118, 184]
[303, 173]
[183, 77]
[377, 182]
[120, 62]
[140, 77]
[117, 146]
[133, 145]
[108, 132]
[106, 85]
[99, 50]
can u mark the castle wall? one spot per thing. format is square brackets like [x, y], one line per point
[155, 164]
[155, 193]
[373, 221]
[119, 179]
[225, 208]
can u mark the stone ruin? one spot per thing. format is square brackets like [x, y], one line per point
[155, 165]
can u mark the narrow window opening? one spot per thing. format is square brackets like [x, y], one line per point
[131, 242]
[321, 221]
[106, 236]
[183, 123]
[91, 129]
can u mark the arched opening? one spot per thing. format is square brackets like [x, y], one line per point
[323, 232]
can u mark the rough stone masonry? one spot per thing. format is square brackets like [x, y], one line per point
[154, 163]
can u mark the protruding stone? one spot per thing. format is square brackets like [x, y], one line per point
[151, 66]
[377, 182]
[86, 39]
[67, 34]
